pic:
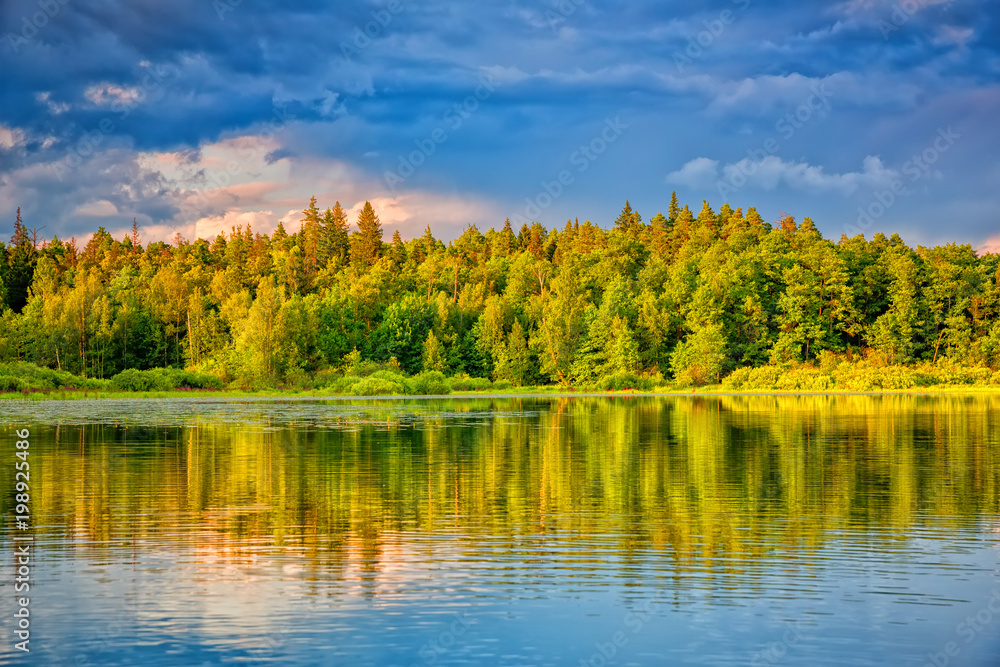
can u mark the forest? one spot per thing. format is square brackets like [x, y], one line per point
[683, 300]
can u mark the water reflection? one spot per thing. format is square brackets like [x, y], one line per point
[361, 531]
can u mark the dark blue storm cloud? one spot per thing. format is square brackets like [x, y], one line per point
[95, 92]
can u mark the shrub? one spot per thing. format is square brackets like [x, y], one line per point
[764, 378]
[430, 383]
[11, 383]
[804, 378]
[39, 377]
[738, 379]
[163, 379]
[621, 381]
[343, 385]
[374, 386]
[405, 383]
[355, 365]
[502, 385]
[323, 378]
[469, 384]
[948, 373]
[298, 380]
[203, 381]
[132, 380]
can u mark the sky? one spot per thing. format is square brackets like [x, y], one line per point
[193, 116]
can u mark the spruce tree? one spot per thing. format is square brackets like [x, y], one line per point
[336, 243]
[367, 245]
[21, 259]
[398, 249]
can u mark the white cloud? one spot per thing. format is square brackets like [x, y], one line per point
[100, 208]
[54, 108]
[231, 182]
[9, 138]
[698, 173]
[107, 95]
[772, 171]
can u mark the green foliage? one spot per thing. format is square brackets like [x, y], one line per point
[430, 383]
[700, 358]
[163, 379]
[133, 380]
[36, 377]
[588, 305]
[342, 385]
[366, 245]
[11, 383]
[402, 333]
[623, 381]
[355, 365]
[469, 384]
[434, 354]
[863, 376]
[377, 386]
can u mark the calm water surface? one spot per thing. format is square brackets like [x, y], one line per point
[837, 530]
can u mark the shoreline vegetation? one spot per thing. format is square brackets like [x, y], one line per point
[719, 302]
[26, 381]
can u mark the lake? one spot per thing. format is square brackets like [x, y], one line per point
[683, 530]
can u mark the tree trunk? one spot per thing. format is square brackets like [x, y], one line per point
[937, 344]
[190, 338]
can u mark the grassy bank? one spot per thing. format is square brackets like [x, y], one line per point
[26, 381]
[709, 390]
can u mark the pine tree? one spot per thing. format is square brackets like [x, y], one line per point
[312, 230]
[428, 243]
[135, 237]
[398, 249]
[674, 209]
[366, 246]
[336, 240]
[707, 218]
[629, 220]
[22, 256]
[279, 233]
[507, 242]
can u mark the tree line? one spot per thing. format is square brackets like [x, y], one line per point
[683, 297]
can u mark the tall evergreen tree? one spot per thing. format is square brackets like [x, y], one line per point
[21, 258]
[336, 241]
[366, 245]
[629, 220]
[312, 241]
[398, 248]
[674, 209]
